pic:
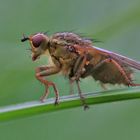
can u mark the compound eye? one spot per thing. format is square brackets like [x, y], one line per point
[37, 40]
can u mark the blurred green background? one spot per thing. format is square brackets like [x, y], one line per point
[115, 22]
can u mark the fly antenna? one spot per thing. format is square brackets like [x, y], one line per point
[24, 38]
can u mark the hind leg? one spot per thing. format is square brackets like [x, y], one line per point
[128, 81]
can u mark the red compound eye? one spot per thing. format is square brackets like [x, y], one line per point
[37, 40]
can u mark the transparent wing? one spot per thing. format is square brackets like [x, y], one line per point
[121, 58]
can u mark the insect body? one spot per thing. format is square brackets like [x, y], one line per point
[76, 58]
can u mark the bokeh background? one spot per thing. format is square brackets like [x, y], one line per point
[114, 22]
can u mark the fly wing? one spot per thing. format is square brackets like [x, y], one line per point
[130, 62]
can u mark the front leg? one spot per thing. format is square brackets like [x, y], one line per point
[43, 71]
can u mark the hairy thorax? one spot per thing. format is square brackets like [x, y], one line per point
[62, 57]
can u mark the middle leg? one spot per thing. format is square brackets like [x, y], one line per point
[81, 96]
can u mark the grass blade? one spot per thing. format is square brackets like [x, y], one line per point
[35, 107]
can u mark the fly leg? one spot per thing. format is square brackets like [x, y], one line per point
[81, 96]
[72, 76]
[77, 71]
[110, 60]
[43, 71]
[79, 67]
